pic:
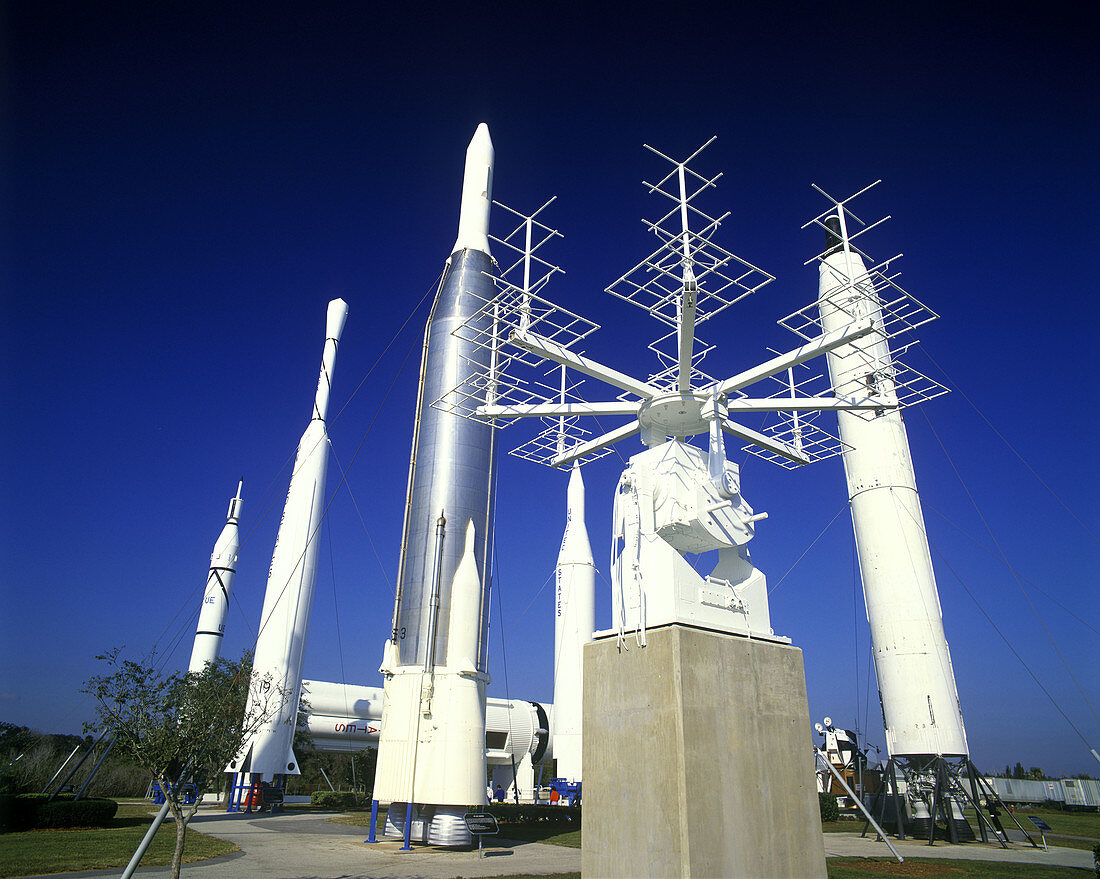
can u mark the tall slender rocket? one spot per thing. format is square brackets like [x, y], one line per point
[920, 702]
[219, 586]
[431, 748]
[574, 622]
[288, 601]
[452, 462]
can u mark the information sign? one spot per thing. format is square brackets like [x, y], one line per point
[480, 822]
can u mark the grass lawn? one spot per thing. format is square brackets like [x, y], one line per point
[1084, 824]
[61, 851]
[534, 833]
[868, 868]
[1064, 824]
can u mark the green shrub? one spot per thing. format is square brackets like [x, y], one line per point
[91, 812]
[334, 799]
[32, 811]
[14, 814]
[829, 809]
[1096, 858]
[543, 816]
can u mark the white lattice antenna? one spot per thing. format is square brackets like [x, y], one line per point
[897, 313]
[515, 304]
[689, 278]
[684, 283]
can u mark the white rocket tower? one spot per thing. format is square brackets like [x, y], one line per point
[431, 751]
[920, 703]
[219, 586]
[574, 622]
[284, 623]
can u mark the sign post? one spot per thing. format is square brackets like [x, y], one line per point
[1042, 826]
[479, 824]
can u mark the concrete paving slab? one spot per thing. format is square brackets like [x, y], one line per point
[295, 846]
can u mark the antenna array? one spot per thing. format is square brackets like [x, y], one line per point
[685, 282]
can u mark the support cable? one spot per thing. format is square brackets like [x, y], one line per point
[1018, 574]
[336, 612]
[807, 549]
[1004, 558]
[362, 522]
[1011, 448]
[1008, 644]
[504, 664]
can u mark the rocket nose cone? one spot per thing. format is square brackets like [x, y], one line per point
[337, 314]
[477, 193]
[574, 494]
[481, 139]
[469, 547]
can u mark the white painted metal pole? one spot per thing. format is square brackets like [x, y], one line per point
[863, 809]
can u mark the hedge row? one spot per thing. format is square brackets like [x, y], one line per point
[544, 816]
[334, 799]
[830, 811]
[32, 812]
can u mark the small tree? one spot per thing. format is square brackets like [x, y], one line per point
[174, 725]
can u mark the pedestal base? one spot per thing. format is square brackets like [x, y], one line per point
[698, 759]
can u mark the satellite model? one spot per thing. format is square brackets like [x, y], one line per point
[674, 498]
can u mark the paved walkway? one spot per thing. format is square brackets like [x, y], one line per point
[297, 846]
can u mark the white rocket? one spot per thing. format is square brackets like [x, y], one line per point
[920, 703]
[431, 750]
[284, 623]
[432, 744]
[574, 622]
[219, 585]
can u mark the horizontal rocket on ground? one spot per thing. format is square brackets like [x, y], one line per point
[288, 601]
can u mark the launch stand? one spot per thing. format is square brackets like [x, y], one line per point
[937, 784]
[714, 725]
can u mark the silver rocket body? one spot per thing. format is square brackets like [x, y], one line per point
[219, 586]
[431, 751]
[920, 702]
[451, 469]
[288, 601]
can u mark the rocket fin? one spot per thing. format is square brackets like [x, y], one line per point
[465, 610]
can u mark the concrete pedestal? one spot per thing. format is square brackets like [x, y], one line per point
[697, 759]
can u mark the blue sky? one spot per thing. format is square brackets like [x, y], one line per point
[186, 186]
